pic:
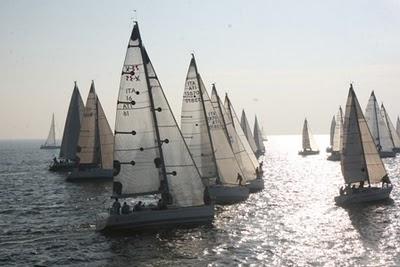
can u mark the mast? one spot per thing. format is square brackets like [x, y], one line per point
[206, 117]
[164, 181]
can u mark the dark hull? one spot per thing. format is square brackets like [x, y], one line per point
[90, 175]
[364, 195]
[335, 156]
[387, 154]
[49, 147]
[227, 195]
[62, 167]
[308, 152]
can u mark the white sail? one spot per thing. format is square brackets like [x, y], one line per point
[308, 138]
[338, 132]
[51, 138]
[72, 126]
[398, 126]
[194, 126]
[106, 138]
[377, 125]
[360, 159]
[149, 148]
[258, 136]
[332, 131]
[233, 118]
[238, 149]
[247, 131]
[88, 144]
[392, 131]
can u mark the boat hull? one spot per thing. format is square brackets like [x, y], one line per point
[49, 147]
[368, 194]
[328, 149]
[259, 153]
[149, 219]
[335, 156]
[255, 185]
[387, 154]
[62, 167]
[308, 152]
[226, 195]
[396, 150]
[89, 175]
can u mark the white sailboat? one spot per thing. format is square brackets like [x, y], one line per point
[331, 135]
[248, 160]
[309, 145]
[70, 139]
[151, 156]
[337, 137]
[208, 143]
[247, 132]
[398, 126]
[258, 138]
[378, 128]
[51, 138]
[360, 159]
[95, 144]
[394, 137]
[263, 134]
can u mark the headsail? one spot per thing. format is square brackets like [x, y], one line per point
[332, 132]
[377, 125]
[258, 136]
[72, 126]
[392, 131]
[247, 131]
[150, 153]
[338, 132]
[360, 159]
[106, 138]
[308, 138]
[51, 138]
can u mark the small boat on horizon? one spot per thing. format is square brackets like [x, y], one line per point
[244, 123]
[258, 138]
[331, 135]
[308, 142]
[51, 138]
[360, 160]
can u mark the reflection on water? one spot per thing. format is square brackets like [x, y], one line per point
[293, 222]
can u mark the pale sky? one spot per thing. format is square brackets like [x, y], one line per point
[282, 60]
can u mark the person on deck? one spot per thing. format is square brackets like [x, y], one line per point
[139, 206]
[239, 179]
[125, 208]
[385, 181]
[55, 160]
[116, 207]
[258, 174]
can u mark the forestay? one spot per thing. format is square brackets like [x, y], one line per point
[360, 159]
[338, 133]
[247, 131]
[51, 138]
[72, 126]
[258, 136]
[308, 138]
[392, 131]
[377, 125]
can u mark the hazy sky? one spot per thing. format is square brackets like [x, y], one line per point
[282, 60]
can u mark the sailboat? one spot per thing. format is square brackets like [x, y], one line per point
[394, 137]
[337, 137]
[151, 156]
[95, 143]
[332, 134]
[360, 159]
[72, 128]
[51, 138]
[309, 145]
[247, 132]
[208, 143]
[263, 134]
[258, 138]
[248, 159]
[378, 128]
[398, 126]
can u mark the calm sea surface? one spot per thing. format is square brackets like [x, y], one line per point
[45, 221]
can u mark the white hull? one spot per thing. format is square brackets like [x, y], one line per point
[90, 174]
[155, 219]
[255, 185]
[225, 195]
[364, 195]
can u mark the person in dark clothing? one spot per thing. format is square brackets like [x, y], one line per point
[125, 208]
[55, 160]
[239, 179]
[139, 206]
[116, 207]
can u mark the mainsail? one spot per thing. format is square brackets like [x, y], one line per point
[392, 131]
[247, 131]
[95, 138]
[338, 132]
[51, 138]
[377, 125]
[360, 159]
[308, 138]
[150, 153]
[332, 132]
[258, 136]
[72, 126]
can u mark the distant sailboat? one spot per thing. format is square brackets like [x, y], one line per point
[309, 145]
[331, 136]
[398, 126]
[70, 139]
[378, 128]
[253, 168]
[95, 145]
[263, 134]
[337, 137]
[208, 143]
[394, 137]
[247, 132]
[151, 156]
[51, 138]
[258, 138]
[360, 159]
